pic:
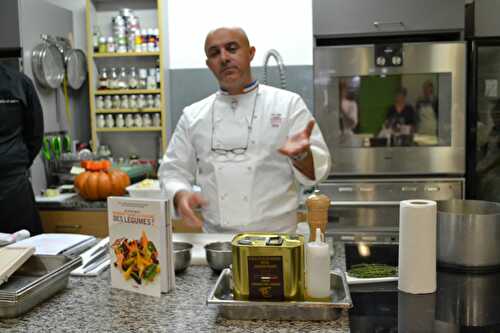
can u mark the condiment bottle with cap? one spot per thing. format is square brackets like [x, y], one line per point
[317, 272]
[317, 212]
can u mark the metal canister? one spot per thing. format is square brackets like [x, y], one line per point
[317, 212]
[268, 267]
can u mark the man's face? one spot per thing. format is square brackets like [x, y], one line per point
[228, 57]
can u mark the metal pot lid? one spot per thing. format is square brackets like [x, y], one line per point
[76, 68]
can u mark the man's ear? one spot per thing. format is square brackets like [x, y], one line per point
[252, 53]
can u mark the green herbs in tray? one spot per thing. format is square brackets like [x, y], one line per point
[364, 271]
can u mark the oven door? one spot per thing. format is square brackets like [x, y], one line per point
[406, 119]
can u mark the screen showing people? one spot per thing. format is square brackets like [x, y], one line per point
[395, 110]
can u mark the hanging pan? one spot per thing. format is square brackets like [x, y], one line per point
[47, 65]
[75, 63]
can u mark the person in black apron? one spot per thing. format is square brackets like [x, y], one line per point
[21, 133]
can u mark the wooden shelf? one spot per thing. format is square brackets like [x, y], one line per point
[145, 110]
[130, 129]
[127, 91]
[126, 54]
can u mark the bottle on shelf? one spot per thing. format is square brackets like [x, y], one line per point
[132, 102]
[122, 79]
[150, 102]
[113, 79]
[120, 121]
[151, 80]
[110, 121]
[129, 120]
[144, 40]
[146, 120]
[95, 38]
[151, 41]
[103, 44]
[157, 73]
[156, 33]
[156, 120]
[124, 103]
[100, 121]
[116, 102]
[157, 103]
[132, 78]
[141, 101]
[143, 76]
[108, 103]
[138, 120]
[99, 102]
[317, 274]
[103, 82]
[111, 45]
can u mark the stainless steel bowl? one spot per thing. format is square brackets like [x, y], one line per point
[219, 255]
[182, 256]
[468, 232]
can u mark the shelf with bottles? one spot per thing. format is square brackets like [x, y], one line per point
[132, 129]
[145, 110]
[126, 54]
[126, 102]
[127, 91]
[127, 121]
[128, 78]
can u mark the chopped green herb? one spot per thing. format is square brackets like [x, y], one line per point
[372, 271]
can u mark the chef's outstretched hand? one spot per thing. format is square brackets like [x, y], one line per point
[298, 148]
[185, 203]
[299, 143]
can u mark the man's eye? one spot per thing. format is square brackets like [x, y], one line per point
[212, 54]
[232, 48]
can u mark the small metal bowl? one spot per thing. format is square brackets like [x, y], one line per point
[219, 255]
[182, 256]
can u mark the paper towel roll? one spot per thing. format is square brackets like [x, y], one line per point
[417, 246]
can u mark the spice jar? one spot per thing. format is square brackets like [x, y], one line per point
[124, 104]
[99, 102]
[143, 76]
[157, 102]
[141, 102]
[138, 120]
[156, 120]
[103, 82]
[108, 103]
[151, 80]
[111, 45]
[100, 121]
[122, 79]
[129, 120]
[317, 212]
[132, 102]
[120, 121]
[150, 102]
[146, 120]
[116, 102]
[103, 45]
[113, 79]
[110, 121]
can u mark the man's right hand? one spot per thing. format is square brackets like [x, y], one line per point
[185, 202]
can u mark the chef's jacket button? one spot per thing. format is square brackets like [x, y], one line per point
[245, 198]
[249, 168]
[253, 142]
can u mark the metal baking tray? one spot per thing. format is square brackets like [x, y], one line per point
[36, 280]
[222, 296]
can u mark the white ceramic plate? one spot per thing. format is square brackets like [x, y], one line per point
[354, 280]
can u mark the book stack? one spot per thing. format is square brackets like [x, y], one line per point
[140, 235]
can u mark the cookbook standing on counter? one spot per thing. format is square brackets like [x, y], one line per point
[21, 132]
[248, 146]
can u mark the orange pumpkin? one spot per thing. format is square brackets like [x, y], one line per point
[102, 183]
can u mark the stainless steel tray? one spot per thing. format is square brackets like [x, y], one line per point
[36, 280]
[222, 296]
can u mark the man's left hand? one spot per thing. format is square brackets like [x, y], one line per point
[298, 148]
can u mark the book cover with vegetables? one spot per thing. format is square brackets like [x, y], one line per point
[141, 240]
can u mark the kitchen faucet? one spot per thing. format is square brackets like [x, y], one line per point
[281, 66]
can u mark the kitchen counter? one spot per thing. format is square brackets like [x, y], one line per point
[73, 203]
[90, 304]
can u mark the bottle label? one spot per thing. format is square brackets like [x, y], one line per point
[266, 278]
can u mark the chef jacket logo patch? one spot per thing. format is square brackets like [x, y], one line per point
[9, 101]
[275, 120]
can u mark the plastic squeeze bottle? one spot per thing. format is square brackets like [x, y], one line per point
[317, 268]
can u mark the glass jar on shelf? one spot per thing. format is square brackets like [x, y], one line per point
[124, 103]
[156, 120]
[116, 102]
[103, 44]
[110, 121]
[111, 46]
[120, 121]
[99, 102]
[108, 103]
[138, 120]
[122, 79]
[150, 102]
[113, 79]
[103, 82]
[132, 78]
[100, 121]
[141, 101]
[151, 79]
[143, 76]
[157, 103]
[132, 102]
[146, 120]
[129, 120]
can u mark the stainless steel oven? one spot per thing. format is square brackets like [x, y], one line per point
[392, 109]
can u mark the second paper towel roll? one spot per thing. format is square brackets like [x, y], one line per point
[417, 246]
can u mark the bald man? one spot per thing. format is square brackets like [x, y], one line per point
[248, 147]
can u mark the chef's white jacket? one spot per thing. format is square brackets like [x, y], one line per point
[254, 191]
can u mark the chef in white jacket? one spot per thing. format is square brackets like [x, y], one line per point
[248, 147]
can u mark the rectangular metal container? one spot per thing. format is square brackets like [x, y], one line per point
[229, 308]
[36, 280]
[268, 266]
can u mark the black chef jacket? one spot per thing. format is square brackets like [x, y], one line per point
[21, 133]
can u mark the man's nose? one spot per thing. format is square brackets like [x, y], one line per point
[224, 56]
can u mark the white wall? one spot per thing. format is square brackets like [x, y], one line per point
[285, 25]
